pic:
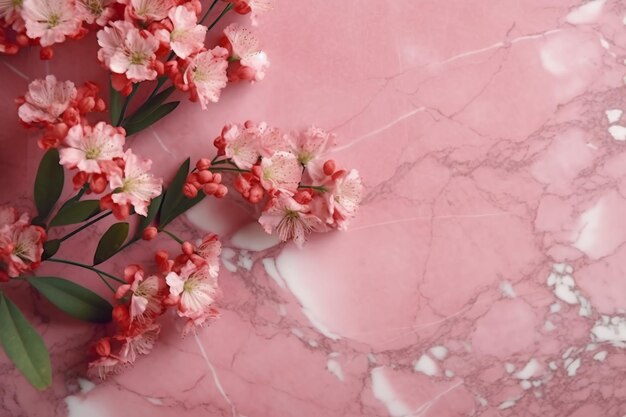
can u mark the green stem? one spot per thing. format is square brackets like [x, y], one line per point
[208, 11]
[173, 236]
[106, 282]
[126, 103]
[228, 169]
[84, 226]
[319, 188]
[91, 268]
[226, 10]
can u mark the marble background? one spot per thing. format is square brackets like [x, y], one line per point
[485, 274]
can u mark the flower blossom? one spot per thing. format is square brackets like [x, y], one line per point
[146, 296]
[137, 341]
[290, 220]
[21, 244]
[136, 186]
[250, 62]
[310, 144]
[254, 7]
[206, 74]
[187, 36]
[50, 20]
[95, 11]
[342, 198]
[241, 145]
[111, 39]
[281, 172]
[87, 147]
[11, 11]
[149, 10]
[193, 290]
[136, 56]
[46, 100]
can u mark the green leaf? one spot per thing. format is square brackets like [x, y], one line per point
[174, 193]
[153, 209]
[160, 112]
[149, 106]
[110, 242]
[48, 183]
[184, 205]
[24, 346]
[50, 247]
[76, 212]
[115, 105]
[75, 300]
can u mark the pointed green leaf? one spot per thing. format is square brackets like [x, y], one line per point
[75, 300]
[153, 209]
[160, 112]
[76, 212]
[24, 346]
[183, 205]
[50, 247]
[174, 193]
[48, 183]
[110, 242]
[149, 106]
[115, 105]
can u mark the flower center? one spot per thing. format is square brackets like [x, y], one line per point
[53, 20]
[137, 58]
[16, 3]
[198, 75]
[92, 153]
[94, 7]
[190, 285]
[20, 251]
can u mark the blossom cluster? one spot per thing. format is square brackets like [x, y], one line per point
[21, 243]
[187, 283]
[96, 153]
[149, 26]
[299, 191]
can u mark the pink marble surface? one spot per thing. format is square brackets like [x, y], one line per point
[486, 272]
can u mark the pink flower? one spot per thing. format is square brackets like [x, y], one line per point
[50, 20]
[137, 186]
[46, 100]
[310, 144]
[149, 9]
[105, 366]
[207, 317]
[21, 247]
[246, 50]
[195, 289]
[272, 140]
[257, 7]
[145, 299]
[207, 73]
[290, 220]
[187, 37]
[136, 56]
[343, 198]
[10, 11]
[242, 145]
[86, 147]
[209, 250]
[111, 39]
[95, 11]
[138, 341]
[281, 172]
[9, 217]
